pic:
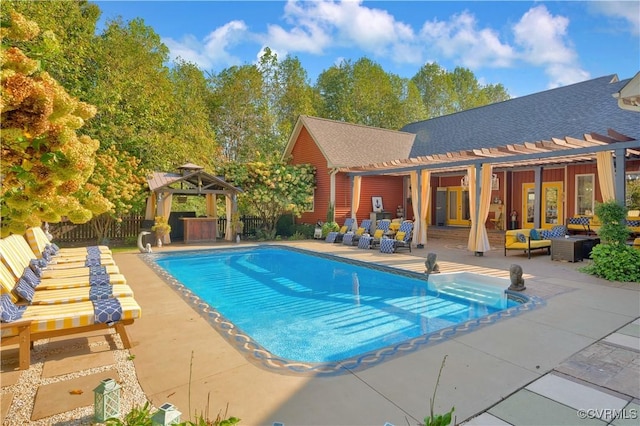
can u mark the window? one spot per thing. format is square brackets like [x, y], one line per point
[632, 190]
[584, 194]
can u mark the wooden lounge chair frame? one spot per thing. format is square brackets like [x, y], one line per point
[25, 338]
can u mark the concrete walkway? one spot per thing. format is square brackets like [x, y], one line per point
[580, 351]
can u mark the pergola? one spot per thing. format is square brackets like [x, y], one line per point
[191, 180]
[609, 151]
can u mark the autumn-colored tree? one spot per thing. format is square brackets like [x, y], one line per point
[271, 189]
[120, 179]
[45, 163]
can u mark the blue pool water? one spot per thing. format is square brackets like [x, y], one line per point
[316, 309]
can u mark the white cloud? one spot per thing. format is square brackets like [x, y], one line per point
[213, 50]
[542, 38]
[628, 11]
[319, 24]
[461, 40]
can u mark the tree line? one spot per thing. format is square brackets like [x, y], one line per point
[144, 112]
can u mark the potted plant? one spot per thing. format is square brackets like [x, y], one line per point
[161, 228]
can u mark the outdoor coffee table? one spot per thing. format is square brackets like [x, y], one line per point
[568, 249]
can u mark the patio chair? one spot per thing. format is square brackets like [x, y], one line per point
[336, 236]
[352, 239]
[23, 325]
[367, 242]
[381, 231]
[21, 292]
[402, 239]
[38, 242]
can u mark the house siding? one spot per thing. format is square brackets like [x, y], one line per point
[306, 151]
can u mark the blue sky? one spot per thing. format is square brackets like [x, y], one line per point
[526, 46]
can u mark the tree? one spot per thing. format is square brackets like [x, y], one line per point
[65, 42]
[446, 92]
[271, 189]
[237, 110]
[120, 179]
[45, 163]
[364, 93]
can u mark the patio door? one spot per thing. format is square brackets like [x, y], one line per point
[551, 204]
[458, 206]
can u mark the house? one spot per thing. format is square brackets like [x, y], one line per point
[541, 155]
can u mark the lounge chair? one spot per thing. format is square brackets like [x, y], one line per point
[336, 236]
[21, 267]
[402, 239]
[370, 242]
[38, 241]
[351, 239]
[23, 325]
[21, 291]
[15, 248]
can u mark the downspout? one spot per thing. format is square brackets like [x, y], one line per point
[332, 191]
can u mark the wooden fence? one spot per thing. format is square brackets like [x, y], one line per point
[126, 231]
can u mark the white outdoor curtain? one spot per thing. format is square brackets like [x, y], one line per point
[164, 209]
[210, 204]
[471, 174]
[606, 175]
[355, 199]
[228, 212]
[482, 240]
[425, 194]
[150, 212]
[415, 204]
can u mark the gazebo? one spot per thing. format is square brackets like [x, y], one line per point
[192, 180]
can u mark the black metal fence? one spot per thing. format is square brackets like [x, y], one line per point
[126, 231]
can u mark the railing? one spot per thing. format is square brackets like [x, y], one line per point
[128, 229]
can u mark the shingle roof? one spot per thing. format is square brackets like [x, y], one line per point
[572, 110]
[346, 144]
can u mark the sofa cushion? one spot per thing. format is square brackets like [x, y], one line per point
[521, 237]
[534, 235]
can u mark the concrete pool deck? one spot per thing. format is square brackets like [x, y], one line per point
[581, 350]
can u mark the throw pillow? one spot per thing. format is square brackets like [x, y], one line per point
[378, 234]
[545, 234]
[400, 235]
[30, 277]
[24, 290]
[9, 311]
[343, 230]
[533, 234]
[521, 237]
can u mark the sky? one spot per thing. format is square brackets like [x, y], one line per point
[526, 46]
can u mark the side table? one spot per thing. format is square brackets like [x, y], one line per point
[568, 249]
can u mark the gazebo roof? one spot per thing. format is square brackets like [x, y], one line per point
[192, 181]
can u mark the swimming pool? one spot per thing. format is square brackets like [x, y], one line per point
[293, 309]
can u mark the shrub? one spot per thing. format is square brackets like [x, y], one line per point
[285, 226]
[613, 230]
[615, 262]
[329, 227]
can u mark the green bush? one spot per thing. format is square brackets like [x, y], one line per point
[612, 259]
[329, 227]
[613, 229]
[285, 226]
[615, 262]
[304, 229]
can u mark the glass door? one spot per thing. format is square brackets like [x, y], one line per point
[458, 206]
[552, 204]
[552, 210]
